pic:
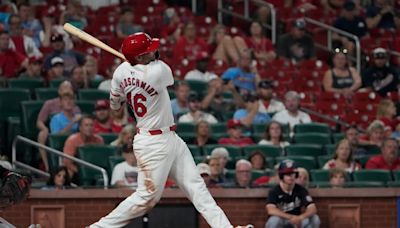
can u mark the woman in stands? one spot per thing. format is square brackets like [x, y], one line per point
[203, 135]
[222, 45]
[59, 179]
[125, 136]
[343, 158]
[375, 134]
[258, 160]
[274, 136]
[386, 112]
[341, 78]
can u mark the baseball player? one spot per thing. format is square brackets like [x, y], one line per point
[142, 82]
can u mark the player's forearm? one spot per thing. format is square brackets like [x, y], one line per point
[273, 211]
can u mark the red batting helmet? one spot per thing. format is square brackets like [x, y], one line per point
[138, 44]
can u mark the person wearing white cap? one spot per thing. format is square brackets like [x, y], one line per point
[222, 155]
[380, 77]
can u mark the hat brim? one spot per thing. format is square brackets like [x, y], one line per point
[155, 44]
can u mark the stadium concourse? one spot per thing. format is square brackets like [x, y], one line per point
[250, 91]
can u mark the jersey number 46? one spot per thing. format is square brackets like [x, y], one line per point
[137, 104]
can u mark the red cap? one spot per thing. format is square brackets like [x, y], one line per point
[232, 123]
[35, 59]
[201, 55]
[102, 104]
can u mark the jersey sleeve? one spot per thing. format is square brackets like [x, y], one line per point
[167, 78]
[116, 94]
[272, 197]
[306, 199]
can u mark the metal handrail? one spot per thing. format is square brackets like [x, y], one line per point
[53, 151]
[341, 32]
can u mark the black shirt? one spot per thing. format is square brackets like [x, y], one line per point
[292, 203]
[381, 80]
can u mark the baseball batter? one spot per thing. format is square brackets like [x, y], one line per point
[142, 82]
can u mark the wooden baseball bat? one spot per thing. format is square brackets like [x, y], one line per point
[91, 39]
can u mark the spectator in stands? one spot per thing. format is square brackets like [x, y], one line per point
[51, 26]
[380, 77]
[250, 114]
[245, 76]
[49, 108]
[103, 122]
[19, 41]
[189, 44]
[258, 160]
[263, 15]
[11, 61]
[289, 203]
[216, 177]
[222, 46]
[303, 179]
[292, 115]
[337, 178]
[125, 136]
[125, 174]
[203, 135]
[273, 135]
[30, 24]
[105, 85]
[214, 101]
[296, 45]
[265, 92]
[341, 78]
[236, 137]
[382, 14]
[343, 158]
[74, 14]
[242, 174]
[85, 136]
[375, 134]
[222, 154]
[201, 73]
[388, 159]
[59, 179]
[91, 69]
[66, 121]
[350, 22]
[352, 135]
[386, 112]
[205, 172]
[78, 79]
[195, 115]
[126, 25]
[57, 69]
[180, 103]
[172, 28]
[34, 69]
[262, 47]
[71, 58]
[120, 118]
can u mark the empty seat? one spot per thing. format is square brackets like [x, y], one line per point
[56, 142]
[313, 138]
[319, 175]
[185, 127]
[92, 94]
[87, 107]
[10, 102]
[330, 149]
[396, 175]
[372, 175]
[267, 150]
[30, 112]
[218, 128]
[54, 83]
[195, 150]
[304, 150]
[199, 87]
[25, 83]
[115, 160]
[109, 137]
[323, 159]
[312, 128]
[45, 93]
[364, 184]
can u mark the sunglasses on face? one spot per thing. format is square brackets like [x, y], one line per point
[341, 50]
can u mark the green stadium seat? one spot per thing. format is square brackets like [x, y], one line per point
[26, 83]
[115, 160]
[94, 83]
[97, 155]
[218, 128]
[306, 162]
[10, 102]
[312, 128]
[195, 150]
[56, 142]
[199, 159]
[393, 184]
[200, 87]
[364, 184]
[319, 175]
[363, 160]
[396, 175]
[304, 150]
[313, 138]
[323, 159]
[320, 184]
[92, 94]
[228, 115]
[46, 93]
[185, 128]
[267, 150]
[217, 136]
[171, 94]
[109, 137]
[372, 175]
[56, 82]
[230, 174]
[29, 114]
[259, 128]
[337, 137]
[187, 136]
[330, 149]
[87, 107]
[255, 174]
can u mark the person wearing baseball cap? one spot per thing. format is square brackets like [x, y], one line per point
[380, 77]
[103, 121]
[267, 103]
[289, 203]
[34, 69]
[201, 73]
[205, 172]
[296, 45]
[236, 137]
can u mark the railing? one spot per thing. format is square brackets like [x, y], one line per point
[331, 29]
[246, 14]
[53, 151]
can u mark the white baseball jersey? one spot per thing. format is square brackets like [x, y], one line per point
[144, 88]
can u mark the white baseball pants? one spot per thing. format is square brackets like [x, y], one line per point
[158, 156]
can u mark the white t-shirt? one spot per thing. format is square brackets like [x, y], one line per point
[188, 118]
[284, 117]
[105, 85]
[282, 144]
[144, 87]
[200, 76]
[127, 173]
[273, 107]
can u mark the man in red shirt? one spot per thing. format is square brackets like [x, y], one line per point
[388, 159]
[235, 135]
[103, 121]
[10, 61]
